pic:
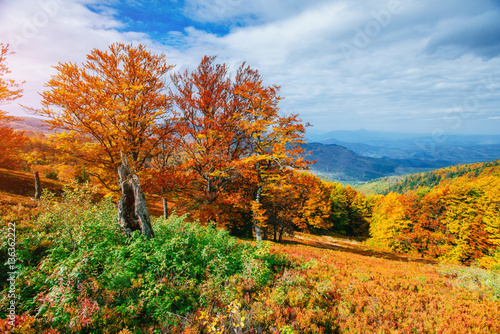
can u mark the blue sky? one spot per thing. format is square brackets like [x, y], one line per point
[391, 65]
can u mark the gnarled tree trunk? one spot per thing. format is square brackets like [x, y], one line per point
[132, 210]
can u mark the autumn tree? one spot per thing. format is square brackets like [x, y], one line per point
[339, 208]
[272, 141]
[115, 101]
[429, 234]
[358, 211]
[350, 211]
[472, 218]
[316, 207]
[456, 220]
[211, 139]
[393, 218]
[279, 211]
[11, 142]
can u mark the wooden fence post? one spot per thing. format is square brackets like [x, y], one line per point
[38, 186]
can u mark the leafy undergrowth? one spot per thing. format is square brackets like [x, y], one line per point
[92, 278]
[79, 274]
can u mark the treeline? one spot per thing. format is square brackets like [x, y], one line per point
[433, 178]
[302, 202]
[456, 220]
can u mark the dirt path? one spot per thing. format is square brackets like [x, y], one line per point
[327, 242]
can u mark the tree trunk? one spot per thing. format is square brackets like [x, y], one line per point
[132, 210]
[275, 230]
[165, 208]
[38, 186]
[282, 230]
[256, 226]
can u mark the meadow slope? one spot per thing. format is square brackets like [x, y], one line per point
[380, 293]
[313, 284]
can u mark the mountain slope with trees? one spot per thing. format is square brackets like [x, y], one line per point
[339, 163]
[451, 214]
[198, 279]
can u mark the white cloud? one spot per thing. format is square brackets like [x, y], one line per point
[45, 32]
[240, 12]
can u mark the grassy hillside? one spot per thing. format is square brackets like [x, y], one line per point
[372, 294]
[334, 162]
[18, 187]
[22, 184]
[377, 186]
[196, 279]
[16, 190]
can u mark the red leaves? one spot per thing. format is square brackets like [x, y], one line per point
[232, 139]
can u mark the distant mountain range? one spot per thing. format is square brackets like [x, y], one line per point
[336, 162]
[356, 156]
[398, 139]
[32, 124]
[362, 155]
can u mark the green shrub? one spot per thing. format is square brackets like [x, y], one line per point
[51, 175]
[93, 276]
[474, 279]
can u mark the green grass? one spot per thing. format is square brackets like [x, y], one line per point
[473, 278]
[79, 273]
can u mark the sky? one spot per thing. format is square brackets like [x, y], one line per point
[416, 66]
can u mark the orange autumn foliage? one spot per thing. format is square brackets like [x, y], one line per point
[272, 142]
[457, 221]
[11, 142]
[114, 102]
[208, 135]
[232, 143]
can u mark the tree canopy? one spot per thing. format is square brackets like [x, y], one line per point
[11, 142]
[117, 100]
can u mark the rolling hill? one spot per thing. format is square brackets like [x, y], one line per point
[456, 149]
[430, 179]
[339, 163]
[360, 156]
[32, 124]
